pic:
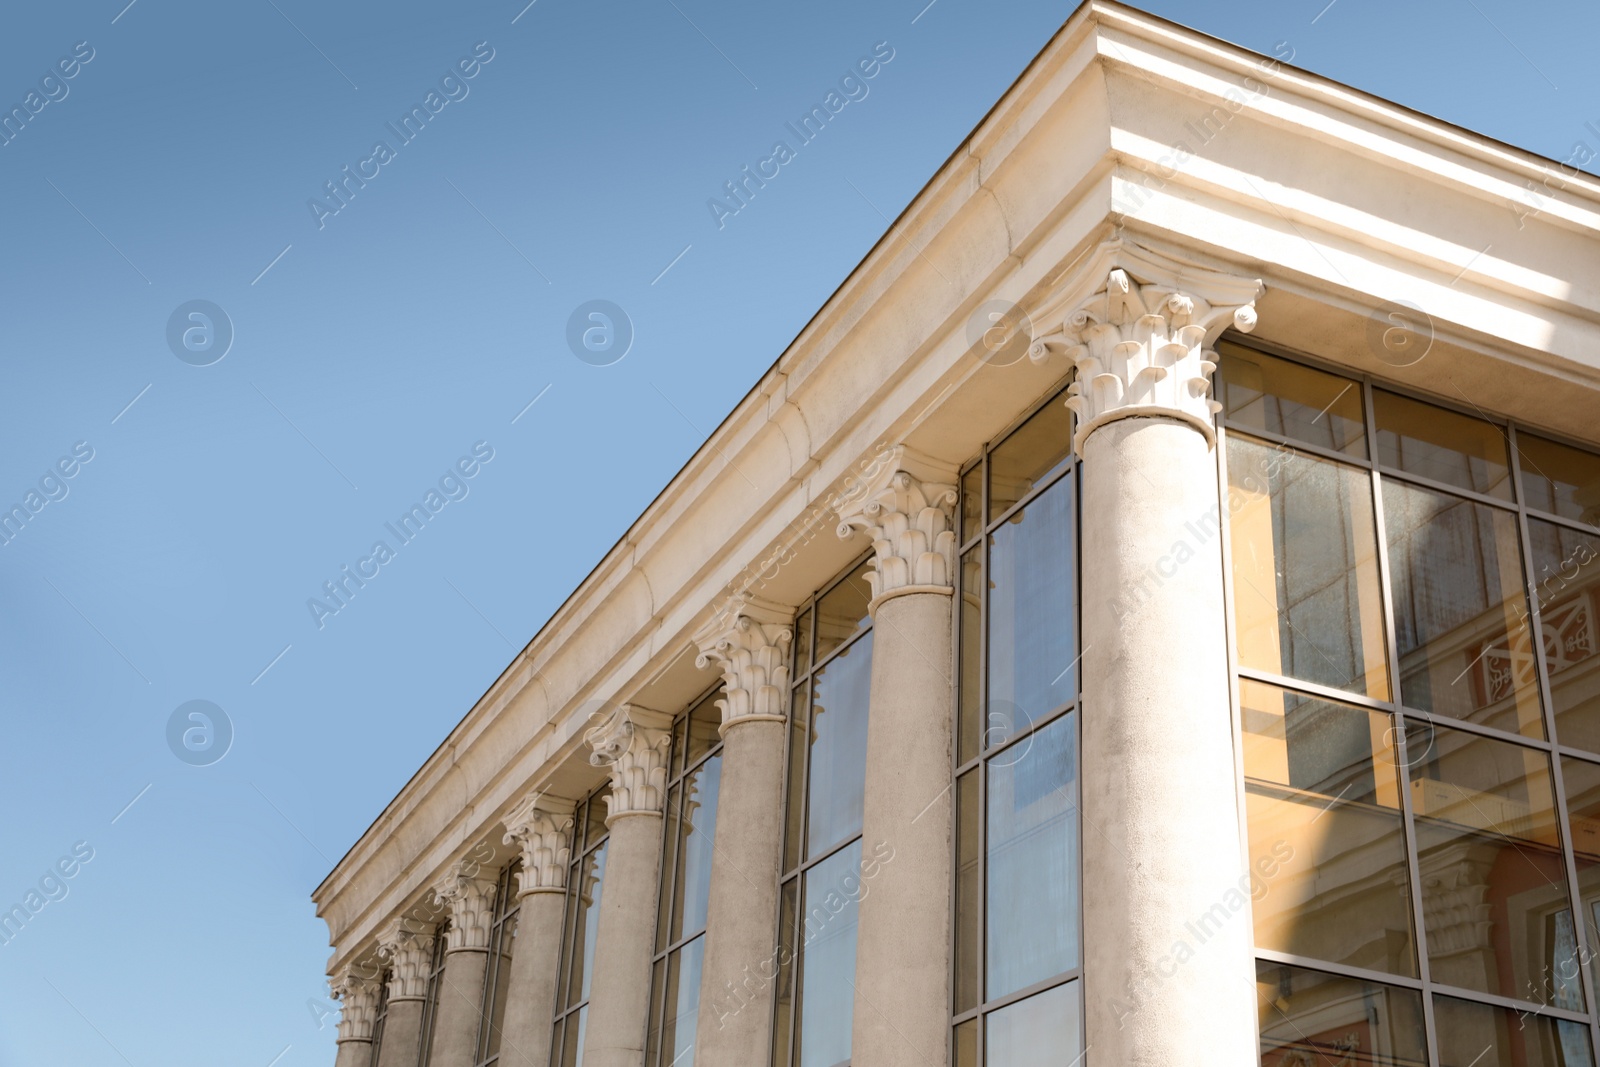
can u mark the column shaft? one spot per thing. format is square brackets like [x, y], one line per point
[460, 1008]
[619, 999]
[741, 917]
[531, 999]
[402, 1034]
[1161, 834]
[902, 998]
[353, 1054]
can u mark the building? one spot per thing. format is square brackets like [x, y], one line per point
[1147, 616]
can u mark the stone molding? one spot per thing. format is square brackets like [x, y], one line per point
[541, 826]
[358, 1005]
[908, 510]
[1141, 342]
[407, 946]
[751, 646]
[633, 745]
[470, 899]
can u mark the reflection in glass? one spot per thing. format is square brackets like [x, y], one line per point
[1032, 614]
[1262, 392]
[1581, 780]
[1307, 599]
[1477, 1035]
[1327, 844]
[1309, 1018]
[971, 503]
[699, 830]
[842, 610]
[1455, 574]
[1441, 445]
[838, 747]
[967, 1044]
[802, 643]
[1032, 849]
[827, 970]
[1029, 456]
[1489, 857]
[1566, 586]
[783, 993]
[499, 985]
[1559, 479]
[970, 629]
[969, 889]
[794, 803]
[586, 923]
[682, 1003]
[1041, 1031]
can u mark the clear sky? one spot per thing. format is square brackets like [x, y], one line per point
[195, 481]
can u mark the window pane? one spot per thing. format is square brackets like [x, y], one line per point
[573, 1055]
[1043, 1031]
[1582, 782]
[783, 1015]
[499, 986]
[586, 923]
[658, 988]
[1446, 446]
[794, 804]
[802, 644]
[842, 610]
[1488, 856]
[681, 1003]
[671, 842]
[1262, 392]
[1033, 631]
[1032, 858]
[971, 503]
[1307, 599]
[1029, 456]
[700, 789]
[1455, 572]
[1566, 576]
[828, 966]
[1559, 479]
[704, 720]
[1309, 1018]
[971, 641]
[967, 1044]
[838, 747]
[969, 888]
[595, 821]
[1327, 845]
[1477, 1035]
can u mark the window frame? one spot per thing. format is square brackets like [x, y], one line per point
[430, 1002]
[497, 967]
[585, 844]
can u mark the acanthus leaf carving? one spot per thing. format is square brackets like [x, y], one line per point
[541, 826]
[909, 512]
[633, 744]
[750, 643]
[358, 1004]
[470, 899]
[406, 945]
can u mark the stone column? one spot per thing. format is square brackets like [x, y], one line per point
[358, 999]
[902, 995]
[1161, 836]
[407, 946]
[751, 644]
[470, 897]
[633, 745]
[542, 827]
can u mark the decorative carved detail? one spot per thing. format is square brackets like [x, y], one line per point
[471, 902]
[407, 946]
[633, 745]
[1141, 341]
[909, 512]
[1455, 903]
[358, 999]
[752, 648]
[542, 827]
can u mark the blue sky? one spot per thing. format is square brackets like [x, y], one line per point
[373, 348]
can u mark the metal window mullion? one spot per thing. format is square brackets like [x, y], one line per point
[1272, 437]
[981, 934]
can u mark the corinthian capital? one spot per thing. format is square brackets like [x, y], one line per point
[908, 509]
[406, 945]
[633, 745]
[358, 1000]
[750, 642]
[542, 827]
[1141, 345]
[470, 898]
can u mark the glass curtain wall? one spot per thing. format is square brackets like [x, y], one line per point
[827, 867]
[1414, 590]
[689, 838]
[430, 1006]
[584, 882]
[497, 977]
[1017, 1001]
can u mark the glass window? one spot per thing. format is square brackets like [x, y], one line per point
[1559, 479]
[1265, 393]
[585, 881]
[381, 1018]
[1310, 1018]
[1029, 456]
[1328, 870]
[1038, 1032]
[1581, 780]
[1442, 445]
[1455, 576]
[690, 832]
[497, 975]
[1478, 1035]
[825, 871]
[1566, 588]
[430, 1005]
[1307, 598]
[1033, 633]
